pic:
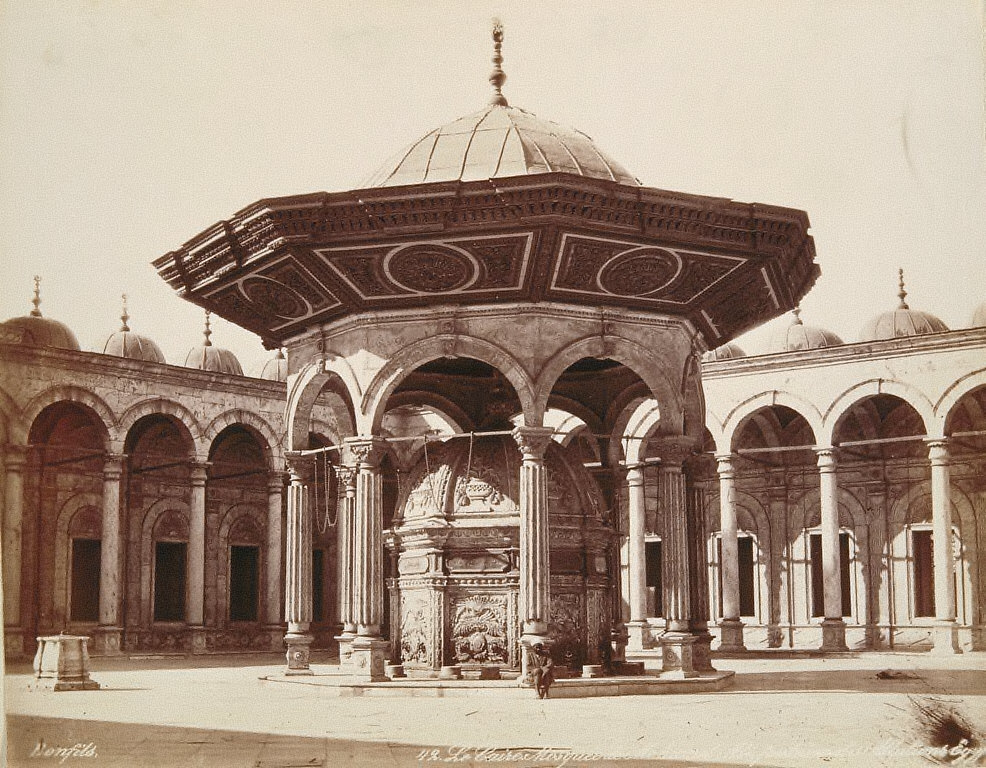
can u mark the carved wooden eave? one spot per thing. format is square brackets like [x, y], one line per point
[285, 264]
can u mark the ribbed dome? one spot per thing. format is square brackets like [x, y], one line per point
[133, 346]
[902, 321]
[495, 142]
[209, 358]
[979, 316]
[34, 330]
[730, 351]
[798, 336]
[273, 368]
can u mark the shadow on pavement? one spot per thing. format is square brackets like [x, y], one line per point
[101, 743]
[952, 682]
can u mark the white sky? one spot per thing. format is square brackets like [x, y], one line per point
[129, 126]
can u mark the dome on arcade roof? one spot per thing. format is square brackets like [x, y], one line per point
[273, 368]
[34, 330]
[126, 343]
[902, 321]
[728, 351]
[496, 142]
[979, 316]
[206, 357]
[798, 336]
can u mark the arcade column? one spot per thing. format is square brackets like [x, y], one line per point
[274, 590]
[369, 649]
[833, 627]
[730, 628]
[637, 627]
[14, 459]
[196, 559]
[944, 634]
[535, 576]
[298, 568]
[108, 635]
[346, 538]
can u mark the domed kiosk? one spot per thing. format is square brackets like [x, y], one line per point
[133, 346]
[38, 331]
[502, 267]
[902, 321]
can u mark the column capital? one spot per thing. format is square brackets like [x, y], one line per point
[827, 458]
[276, 480]
[533, 441]
[725, 465]
[937, 450]
[300, 466]
[113, 466]
[673, 450]
[635, 474]
[364, 451]
[14, 457]
[347, 477]
[199, 471]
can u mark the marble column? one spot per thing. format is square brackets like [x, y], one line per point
[14, 459]
[298, 568]
[275, 529]
[698, 566]
[196, 559]
[346, 520]
[944, 634]
[731, 627]
[535, 574]
[109, 632]
[677, 641]
[369, 650]
[637, 627]
[833, 627]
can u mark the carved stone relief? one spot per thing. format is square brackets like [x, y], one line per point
[479, 630]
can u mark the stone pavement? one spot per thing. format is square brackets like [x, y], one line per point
[779, 712]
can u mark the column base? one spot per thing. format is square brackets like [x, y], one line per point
[638, 636]
[368, 659]
[345, 641]
[945, 639]
[299, 645]
[196, 639]
[107, 641]
[275, 636]
[702, 651]
[677, 652]
[13, 643]
[834, 635]
[618, 640]
[731, 636]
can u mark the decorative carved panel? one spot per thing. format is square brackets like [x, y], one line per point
[416, 628]
[479, 630]
[567, 628]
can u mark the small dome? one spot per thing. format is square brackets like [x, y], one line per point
[133, 346]
[979, 316]
[496, 142]
[209, 358]
[273, 368]
[902, 321]
[730, 351]
[34, 330]
[798, 336]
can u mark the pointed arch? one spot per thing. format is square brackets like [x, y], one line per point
[420, 352]
[68, 393]
[650, 369]
[736, 418]
[843, 402]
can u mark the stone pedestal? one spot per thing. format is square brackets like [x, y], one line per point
[945, 639]
[618, 643]
[834, 635]
[345, 641]
[638, 635]
[367, 663]
[450, 672]
[13, 643]
[394, 671]
[275, 636]
[702, 652]
[62, 664]
[731, 636]
[299, 645]
[107, 641]
[678, 655]
[196, 639]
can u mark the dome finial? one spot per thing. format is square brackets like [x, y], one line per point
[497, 76]
[124, 317]
[797, 315]
[208, 330]
[902, 293]
[36, 301]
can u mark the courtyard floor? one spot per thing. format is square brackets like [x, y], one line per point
[779, 711]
